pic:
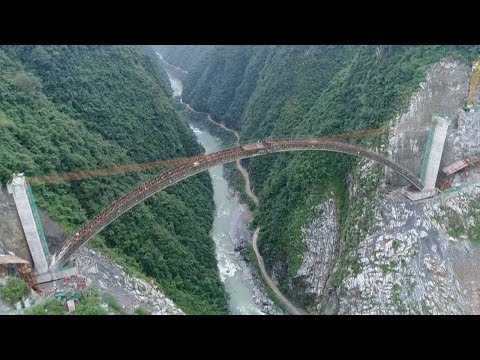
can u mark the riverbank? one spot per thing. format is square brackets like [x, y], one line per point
[253, 198]
[231, 235]
[245, 192]
[230, 227]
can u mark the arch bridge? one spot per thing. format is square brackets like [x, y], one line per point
[196, 164]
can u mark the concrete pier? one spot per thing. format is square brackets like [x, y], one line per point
[434, 151]
[432, 158]
[18, 188]
[52, 275]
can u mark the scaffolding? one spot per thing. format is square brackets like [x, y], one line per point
[428, 148]
[38, 221]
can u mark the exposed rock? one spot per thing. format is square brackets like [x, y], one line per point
[462, 140]
[239, 232]
[402, 257]
[11, 232]
[320, 235]
[408, 264]
[443, 91]
[419, 257]
[130, 291]
[71, 306]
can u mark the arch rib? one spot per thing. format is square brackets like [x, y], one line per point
[198, 164]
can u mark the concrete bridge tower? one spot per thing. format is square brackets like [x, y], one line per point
[433, 152]
[33, 230]
[31, 223]
[432, 157]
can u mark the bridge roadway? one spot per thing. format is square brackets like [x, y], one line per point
[197, 164]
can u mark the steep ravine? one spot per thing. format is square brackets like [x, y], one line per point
[229, 226]
[95, 270]
[411, 258]
[286, 303]
[79, 108]
[248, 190]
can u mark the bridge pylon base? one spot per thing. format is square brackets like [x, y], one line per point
[52, 275]
[418, 195]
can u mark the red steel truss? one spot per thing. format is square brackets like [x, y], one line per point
[197, 164]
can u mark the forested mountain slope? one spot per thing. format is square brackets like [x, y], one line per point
[275, 91]
[67, 108]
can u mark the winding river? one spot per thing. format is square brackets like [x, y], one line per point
[229, 230]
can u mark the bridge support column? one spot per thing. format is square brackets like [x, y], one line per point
[33, 230]
[432, 157]
[19, 189]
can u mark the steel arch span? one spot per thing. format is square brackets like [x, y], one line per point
[197, 164]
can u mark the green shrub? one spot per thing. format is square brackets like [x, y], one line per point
[48, 307]
[90, 303]
[14, 290]
[113, 304]
[141, 311]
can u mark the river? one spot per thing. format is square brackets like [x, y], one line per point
[229, 230]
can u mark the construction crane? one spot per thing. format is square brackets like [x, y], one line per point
[473, 85]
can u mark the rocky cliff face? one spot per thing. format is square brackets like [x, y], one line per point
[11, 233]
[399, 257]
[409, 263]
[444, 91]
[320, 235]
[130, 291]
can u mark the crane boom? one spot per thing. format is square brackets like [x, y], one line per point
[473, 84]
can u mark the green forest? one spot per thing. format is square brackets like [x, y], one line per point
[286, 91]
[72, 108]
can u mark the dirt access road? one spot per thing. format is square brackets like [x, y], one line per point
[261, 265]
[291, 308]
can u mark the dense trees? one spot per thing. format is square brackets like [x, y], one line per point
[67, 108]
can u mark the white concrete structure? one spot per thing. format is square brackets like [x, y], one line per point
[432, 158]
[433, 154]
[52, 275]
[418, 195]
[18, 188]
